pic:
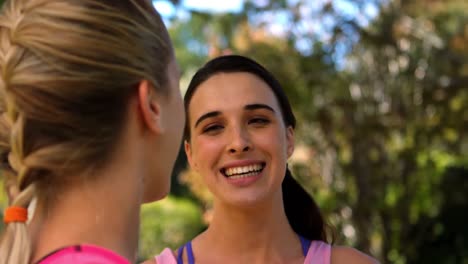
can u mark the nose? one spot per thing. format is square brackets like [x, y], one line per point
[239, 141]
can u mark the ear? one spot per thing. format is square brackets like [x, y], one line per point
[150, 107]
[188, 153]
[290, 141]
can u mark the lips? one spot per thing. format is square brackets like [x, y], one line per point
[243, 171]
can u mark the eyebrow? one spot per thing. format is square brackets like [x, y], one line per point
[258, 106]
[207, 115]
[249, 107]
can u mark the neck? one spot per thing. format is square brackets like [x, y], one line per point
[102, 206]
[100, 212]
[257, 234]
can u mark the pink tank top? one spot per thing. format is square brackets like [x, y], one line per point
[83, 254]
[319, 253]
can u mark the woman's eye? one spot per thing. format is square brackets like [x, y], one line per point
[259, 121]
[212, 128]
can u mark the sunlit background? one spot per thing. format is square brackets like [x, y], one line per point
[380, 90]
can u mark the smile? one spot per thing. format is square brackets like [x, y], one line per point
[243, 171]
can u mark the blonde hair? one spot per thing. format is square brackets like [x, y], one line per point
[68, 68]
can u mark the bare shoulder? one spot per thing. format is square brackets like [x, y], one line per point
[348, 255]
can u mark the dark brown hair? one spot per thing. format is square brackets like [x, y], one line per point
[301, 210]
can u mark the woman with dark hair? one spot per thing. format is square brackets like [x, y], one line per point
[239, 135]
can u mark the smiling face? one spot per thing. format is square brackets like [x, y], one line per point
[238, 139]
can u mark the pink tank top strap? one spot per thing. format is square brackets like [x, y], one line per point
[319, 253]
[166, 257]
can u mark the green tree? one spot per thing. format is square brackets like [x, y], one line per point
[403, 120]
[381, 101]
[168, 223]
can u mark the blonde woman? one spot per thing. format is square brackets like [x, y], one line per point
[90, 125]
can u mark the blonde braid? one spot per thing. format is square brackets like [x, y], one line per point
[68, 69]
[15, 246]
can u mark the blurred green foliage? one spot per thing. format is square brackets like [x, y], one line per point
[168, 223]
[382, 108]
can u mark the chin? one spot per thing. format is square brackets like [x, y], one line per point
[245, 202]
[154, 195]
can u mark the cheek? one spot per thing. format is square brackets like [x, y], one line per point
[206, 151]
[274, 141]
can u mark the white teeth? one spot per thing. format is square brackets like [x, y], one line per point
[242, 175]
[244, 171]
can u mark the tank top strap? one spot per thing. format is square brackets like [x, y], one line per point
[305, 243]
[309, 249]
[190, 257]
[180, 252]
[166, 257]
[319, 252]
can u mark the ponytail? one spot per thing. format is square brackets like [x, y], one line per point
[301, 210]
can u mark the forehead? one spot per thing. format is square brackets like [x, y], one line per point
[231, 91]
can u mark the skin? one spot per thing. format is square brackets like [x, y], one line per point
[105, 211]
[233, 124]
[235, 119]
